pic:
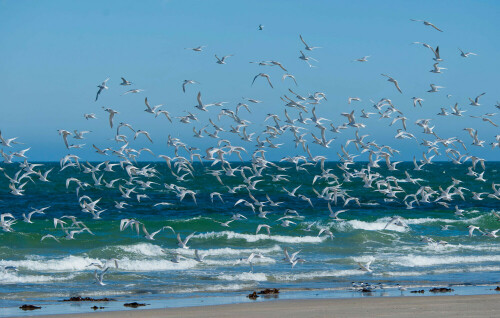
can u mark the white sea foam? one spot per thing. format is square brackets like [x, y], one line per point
[379, 224]
[439, 271]
[65, 264]
[421, 260]
[232, 251]
[399, 274]
[227, 251]
[193, 219]
[210, 288]
[434, 247]
[156, 265]
[15, 278]
[146, 249]
[434, 220]
[316, 274]
[262, 261]
[258, 237]
[150, 259]
[468, 269]
[248, 276]
[79, 263]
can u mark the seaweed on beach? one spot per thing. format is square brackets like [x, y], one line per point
[441, 290]
[95, 307]
[134, 305]
[29, 307]
[269, 291]
[253, 295]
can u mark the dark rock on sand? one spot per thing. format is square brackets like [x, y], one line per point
[29, 307]
[134, 305]
[253, 295]
[269, 291]
[441, 290]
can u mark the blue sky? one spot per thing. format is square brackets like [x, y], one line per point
[54, 53]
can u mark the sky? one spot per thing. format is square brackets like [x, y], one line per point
[54, 54]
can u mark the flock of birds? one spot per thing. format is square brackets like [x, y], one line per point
[298, 120]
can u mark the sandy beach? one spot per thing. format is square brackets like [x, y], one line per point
[437, 306]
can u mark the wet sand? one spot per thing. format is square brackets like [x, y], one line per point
[426, 306]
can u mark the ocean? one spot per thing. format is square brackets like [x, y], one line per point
[48, 271]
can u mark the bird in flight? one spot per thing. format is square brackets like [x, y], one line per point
[427, 23]
[101, 87]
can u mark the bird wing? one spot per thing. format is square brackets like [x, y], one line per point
[303, 41]
[258, 228]
[111, 115]
[98, 92]
[199, 99]
[362, 267]
[255, 78]
[294, 255]
[435, 27]
[436, 52]
[147, 104]
[269, 81]
[285, 251]
[189, 237]
[144, 230]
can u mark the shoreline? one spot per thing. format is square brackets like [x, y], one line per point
[427, 306]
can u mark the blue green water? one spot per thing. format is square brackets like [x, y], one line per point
[49, 271]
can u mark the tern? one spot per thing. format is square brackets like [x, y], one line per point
[99, 277]
[289, 76]
[200, 258]
[306, 59]
[27, 219]
[223, 59]
[437, 69]
[335, 215]
[492, 234]
[434, 88]
[50, 236]
[133, 91]
[307, 47]
[362, 59]
[263, 75]
[112, 114]
[472, 228]
[392, 80]
[101, 87]
[265, 226]
[463, 54]
[475, 101]
[417, 100]
[125, 82]
[365, 267]
[187, 82]
[183, 244]
[196, 49]
[427, 24]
